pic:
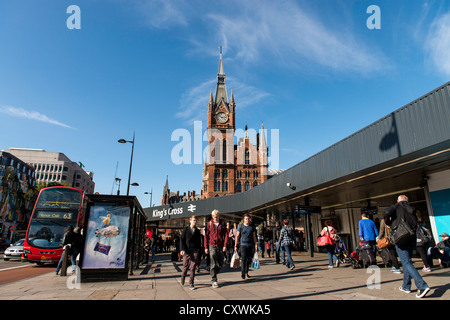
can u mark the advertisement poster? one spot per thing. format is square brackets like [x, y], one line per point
[106, 237]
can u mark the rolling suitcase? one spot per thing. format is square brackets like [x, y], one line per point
[366, 255]
[386, 256]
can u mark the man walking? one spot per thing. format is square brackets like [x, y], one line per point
[286, 240]
[395, 215]
[216, 237]
[190, 245]
[367, 230]
[246, 238]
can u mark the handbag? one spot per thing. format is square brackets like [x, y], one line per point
[383, 243]
[423, 235]
[324, 240]
[402, 234]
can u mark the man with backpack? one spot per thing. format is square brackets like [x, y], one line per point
[402, 220]
[286, 240]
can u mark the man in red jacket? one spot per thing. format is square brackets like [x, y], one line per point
[216, 237]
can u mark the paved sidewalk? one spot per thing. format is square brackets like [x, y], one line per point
[310, 280]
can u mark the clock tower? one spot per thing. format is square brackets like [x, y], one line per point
[220, 170]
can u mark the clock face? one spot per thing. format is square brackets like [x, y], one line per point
[221, 117]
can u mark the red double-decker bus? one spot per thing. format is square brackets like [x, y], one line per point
[55, 209]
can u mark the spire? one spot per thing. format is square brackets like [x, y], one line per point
[262, 137]
[166, 187]
[210, 102]
[221, 89]
[221, 72]
[232, 97]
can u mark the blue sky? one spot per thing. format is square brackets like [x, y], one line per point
[312, 70]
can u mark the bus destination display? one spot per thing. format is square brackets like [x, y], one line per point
[54, 215]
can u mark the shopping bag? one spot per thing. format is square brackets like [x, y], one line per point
[255, 261]
[235, 261]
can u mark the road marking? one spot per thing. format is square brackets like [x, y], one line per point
[15, 267]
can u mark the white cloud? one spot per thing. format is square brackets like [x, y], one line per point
[163, 13]
[286, 34]
[282, 32]
[33, 115]
[438, 44]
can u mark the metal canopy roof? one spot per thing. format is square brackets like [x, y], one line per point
[389, 155]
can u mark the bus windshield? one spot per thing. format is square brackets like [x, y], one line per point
[47, 234]
[61, 198]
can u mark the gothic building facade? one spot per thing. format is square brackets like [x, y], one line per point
[230, 168]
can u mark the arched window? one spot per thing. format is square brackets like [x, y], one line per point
[247, 186]
[247, 156]
[224, 151]
[216, 146]
[255, 184]
[238, 187]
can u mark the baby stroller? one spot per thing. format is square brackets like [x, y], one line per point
[343, 255]
[356, 263]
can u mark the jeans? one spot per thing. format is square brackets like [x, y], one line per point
[216, 256]
[282, 253]
[247, 253]
[277, 253]
[289, 261]
[190, 261]
[261, 247]
[73, 256]
[409, 272]
[331, 254]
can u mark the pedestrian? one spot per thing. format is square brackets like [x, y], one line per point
[367, 230]
[71, 242]
[286, 240]
[247, 239]
[260, 231]
[385, 233]
[278, 249]
[153, 243]
[146, 250]
[441, 251]
[268, 247]
[328, 230]
[190, 249]
[395, 216]
[216, 237]
[231, 241]
[423, 242]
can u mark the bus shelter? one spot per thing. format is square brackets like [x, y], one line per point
[113, 238]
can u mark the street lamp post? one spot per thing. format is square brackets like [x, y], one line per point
[131, 161]
[151, 195]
